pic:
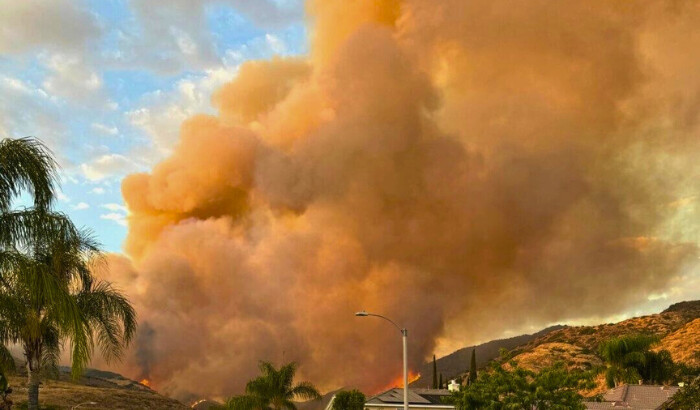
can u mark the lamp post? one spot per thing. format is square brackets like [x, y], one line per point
[90, 403]
[404, 336]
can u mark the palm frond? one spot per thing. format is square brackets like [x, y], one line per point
[26, 164]
[306, 391]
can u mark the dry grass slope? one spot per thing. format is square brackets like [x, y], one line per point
[62, 394]
[684, 344]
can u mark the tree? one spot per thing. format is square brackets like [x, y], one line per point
[435, 380]
[629, 360]
[472, 368]
[687, 398]
[273, 389]
[440, 382]
[349, 400]
[518, 388]
[49, 294]
[47, 291]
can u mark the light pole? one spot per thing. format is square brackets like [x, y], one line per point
[404, 336]
[90, 403]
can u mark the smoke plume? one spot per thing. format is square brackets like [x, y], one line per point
[463, 167]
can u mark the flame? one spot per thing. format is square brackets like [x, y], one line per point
[398, 381]
[146, 382]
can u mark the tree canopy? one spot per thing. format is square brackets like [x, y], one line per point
[349, 400]
[553, 388]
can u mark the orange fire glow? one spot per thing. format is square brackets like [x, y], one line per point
[398, 381]
[146, 382]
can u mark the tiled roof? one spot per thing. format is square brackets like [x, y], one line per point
[641, 397]
[415, 396]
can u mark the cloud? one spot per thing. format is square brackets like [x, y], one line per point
[114, 207]
[161, 113]
[98, 190]
[108, 166]
[81, 206]
[27, 109]
[36, 24]
[118, 218]
[104, 129]
[169, 39]
[62, 197]
[72, 78]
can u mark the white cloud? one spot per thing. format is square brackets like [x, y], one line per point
[81, 206]
[108, 166]
[116, 217]
[98, 190]
[26, 109]
[71, 77]
[114, 207]
[275, 44]
[104, 129]
[162, 113]
[37, 24]
[62, 197]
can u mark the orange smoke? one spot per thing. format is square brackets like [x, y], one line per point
[463, 167]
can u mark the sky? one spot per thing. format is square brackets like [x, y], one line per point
[106, 83]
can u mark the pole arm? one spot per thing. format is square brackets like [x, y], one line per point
[402, 330]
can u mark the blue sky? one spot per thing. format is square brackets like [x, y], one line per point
[106, 83]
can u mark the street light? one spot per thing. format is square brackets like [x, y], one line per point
[404, 334]
[90, 403]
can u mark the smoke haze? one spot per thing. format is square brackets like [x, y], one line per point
[463, 167]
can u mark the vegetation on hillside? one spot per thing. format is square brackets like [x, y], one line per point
[630, 358]
[273, 389]
[48, 293]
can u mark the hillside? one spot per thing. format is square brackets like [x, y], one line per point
[109, 390]
[678, 327]
[455, 363]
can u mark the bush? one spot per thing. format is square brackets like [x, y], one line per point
[349, 400]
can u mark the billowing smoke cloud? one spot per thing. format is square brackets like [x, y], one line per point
[463, 167]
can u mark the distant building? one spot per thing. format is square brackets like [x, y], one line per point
[453, 386]
[631, 396]
[418, 399]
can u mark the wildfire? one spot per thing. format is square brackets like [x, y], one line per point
[146, 382]
[398, 381]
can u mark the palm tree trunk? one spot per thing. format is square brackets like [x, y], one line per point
[33, 381]
[33, 388]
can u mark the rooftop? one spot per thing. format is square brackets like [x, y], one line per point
[415, 396]
[631, 396]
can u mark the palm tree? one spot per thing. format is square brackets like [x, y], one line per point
[273, 389]
[47, 291]
[626, 357]
[48, 295]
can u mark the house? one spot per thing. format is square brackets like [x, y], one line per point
[631, 396]
[418, 399]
